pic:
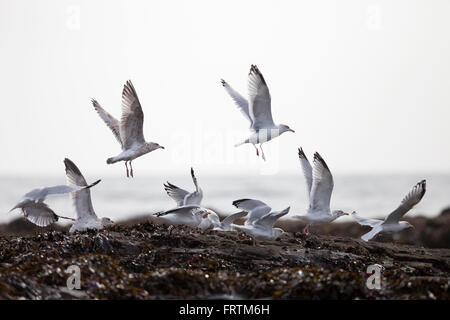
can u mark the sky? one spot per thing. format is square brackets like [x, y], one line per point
[364, 83]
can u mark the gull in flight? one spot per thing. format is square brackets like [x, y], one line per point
[183, 197]
[37, 211]
[392, 223]
[129, 131]
[261, 220]
[86, 217]
[319, 183]
[226, 223]
[257, 110]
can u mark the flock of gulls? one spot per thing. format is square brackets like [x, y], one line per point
[261, 218]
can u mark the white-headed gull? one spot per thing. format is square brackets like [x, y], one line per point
[86, 217]
[225, 224]
[183, 197]
[392, 223]
[129, 131]
[257, 110]
[319, 183]
[37, 211]
[261, 221]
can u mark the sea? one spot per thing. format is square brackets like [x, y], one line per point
[120, 198]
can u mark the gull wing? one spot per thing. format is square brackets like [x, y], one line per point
[40, 214]
[214, 219]
[176, 193]
[364, 221]
[408, 202]
[81, 199]
[255, 208]
[196, 197]
[132, 121]
[372, 233]
[307, 171]
[268, 221]
[240, 101]
[184, 210]
[110, 121]
[226, 223]
[260, 109]
[322, 185]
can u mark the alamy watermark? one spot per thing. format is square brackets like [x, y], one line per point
[74, 280]
[373, 282]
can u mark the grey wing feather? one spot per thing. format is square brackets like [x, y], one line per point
[408, 202]
[259, 101]
[364, 221]
[240, 101]
[255, 208]
[231, 218]
[176, 193]
[184, 210]
[269, 219]
[322, 185]
[110, 121]
[81, 199]
[40, 214]
[307, 171]
[132, 121]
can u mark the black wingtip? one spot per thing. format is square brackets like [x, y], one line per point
[93, 184]
[422, 184]
[301, 154]
[237, 202]
[319, 158]
[70, 166]
[224, 83]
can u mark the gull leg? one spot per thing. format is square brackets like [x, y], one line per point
[126, 166]
[257, 151]
[131, 170]
[262, 152]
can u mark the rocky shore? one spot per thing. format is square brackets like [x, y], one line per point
[151, 261]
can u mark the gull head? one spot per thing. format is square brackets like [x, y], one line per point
[339, 213]
[106, 222]
[405, 225]
[284, 128]
[150, 146]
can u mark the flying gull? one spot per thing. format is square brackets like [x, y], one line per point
[319, 183]
[392, 223]
[261, 221]
[129, 131]
[257, 110]
[86, 217]
[37, 211]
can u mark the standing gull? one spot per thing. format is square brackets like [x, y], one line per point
[86, 217]
[37, 211]
[257, 110]
[129, 131]
[392, 223]
[319, 183]
[261, 221]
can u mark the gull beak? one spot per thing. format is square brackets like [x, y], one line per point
[161, 147]
[292, 130]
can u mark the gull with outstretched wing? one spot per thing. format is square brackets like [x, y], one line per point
[129, 130]
[86, 216]
[37, 211]
[257, 109]
[392, 223]
[319, 186]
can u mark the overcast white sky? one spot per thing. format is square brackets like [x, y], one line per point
[365, 83]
